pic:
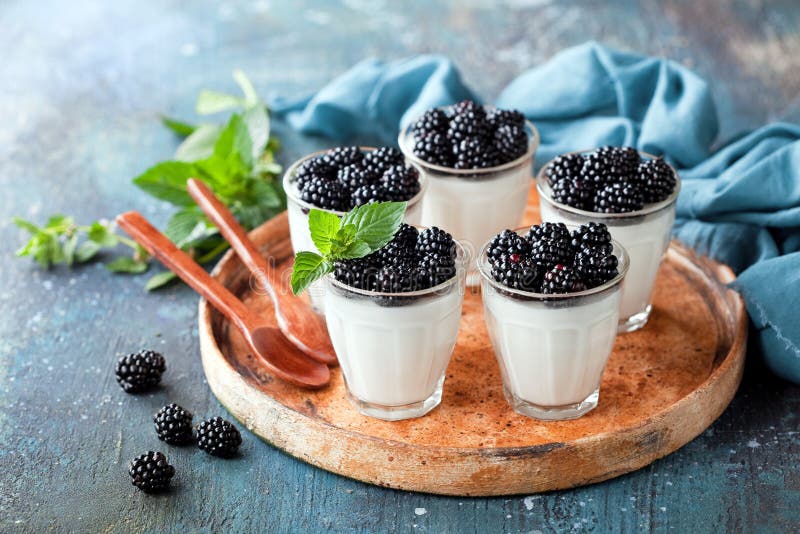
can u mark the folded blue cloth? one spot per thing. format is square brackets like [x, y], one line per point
[740, 204]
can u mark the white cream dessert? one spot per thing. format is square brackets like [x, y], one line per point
[634, 195]
[477, 161]
[551, 305]
[393, 318]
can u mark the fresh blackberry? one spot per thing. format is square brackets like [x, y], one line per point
[401, 250]
[595, 267]
[369, 193]
[434, 148]
[575, 192]
[434, 240]
[599, 169]
[563, 167]
[355, 175]
[342, 156]
[548, 230]
[624, 160]
[406, 235]
[434, 269]
[618, 197]
[548, 253]
[395, 279]
[506, 117]
[326, 194]
[562, 279]
[140, 371]
[475, 153]
[151, 472]
[469, 121]
[401, 182]
[656, 180]
[173, 424]
[517, 272]
[433, 120]
[507, 244]
[593, 236]
[359, 273]
[382, 158]
[511, 142]
[313, 168]
[218, 437]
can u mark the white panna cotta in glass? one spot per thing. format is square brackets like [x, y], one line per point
[474, 204]
[297, 211]
[394, 348]
[552, 348]
[644, 233]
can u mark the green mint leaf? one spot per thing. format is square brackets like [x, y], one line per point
[179, 127]
[25, 225]
[160, 280]
[209, 102]
[308, 267]
[250, 96]
[128, 265]
[100, 234]
[69, 247]
[354, 249]
[324, 227]
[86, 251]
[235, 139]
[167, 181]
[375, 224]
[187, 225]
[200, 144]
[257, 123]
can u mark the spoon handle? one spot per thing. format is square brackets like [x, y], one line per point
[234, 234]
[186, 268]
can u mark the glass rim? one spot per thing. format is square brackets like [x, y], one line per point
[462, 259]
[291, 192]
[406, 135]
[545, 192]
[623, 266]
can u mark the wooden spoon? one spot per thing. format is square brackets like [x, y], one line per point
[280, 356]
[298, 322]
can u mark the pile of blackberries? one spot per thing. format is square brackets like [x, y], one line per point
[467, 136]
[609, 180]
[411, 261]
[346, 177]
[550, 259]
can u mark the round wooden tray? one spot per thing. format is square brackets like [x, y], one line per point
[663, 386]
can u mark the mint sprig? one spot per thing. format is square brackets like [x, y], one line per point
[358, 233]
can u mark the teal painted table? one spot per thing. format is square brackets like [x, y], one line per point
[81, 85]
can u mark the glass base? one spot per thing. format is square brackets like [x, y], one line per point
[553, 413]
[634, 322]
[398, 413]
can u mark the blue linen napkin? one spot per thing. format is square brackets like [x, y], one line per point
[739, 204]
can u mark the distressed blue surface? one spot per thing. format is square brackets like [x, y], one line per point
[81, 86]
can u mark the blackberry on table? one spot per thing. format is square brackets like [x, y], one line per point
[562, 279]
[475, 152]
[140, 371]
[548, 230]
[173, 424]
[595, 267]
[575, 192]
[433, 120]
[517, 272]
[434, 240]
[218, 437]
[151, 472]
[594, 236]
[342, 156]
[618, 197]
[326, 194]
[401, 182]
[355, 175]
[563, 167]
[656, 180]
[507, 244]
[511, 142]
[382, 158]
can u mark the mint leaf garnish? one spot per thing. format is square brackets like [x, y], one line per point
[358, 233]
[181, 128]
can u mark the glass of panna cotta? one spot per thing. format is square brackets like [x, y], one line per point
[642, 225]
[394, 346]
[339, 179]
[478, 164]
[552, 341]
